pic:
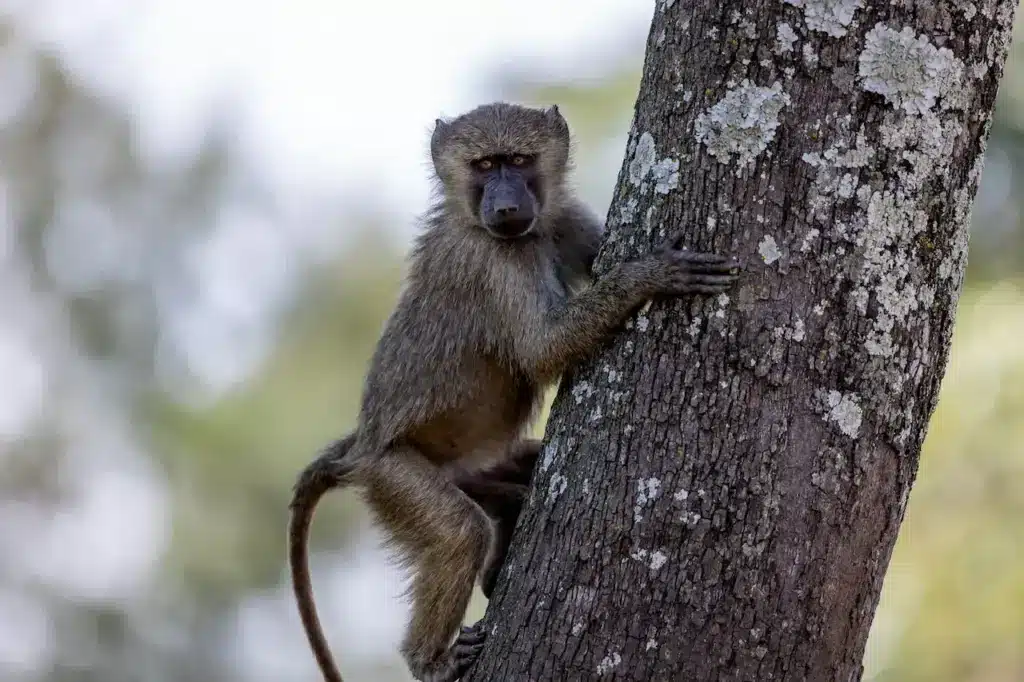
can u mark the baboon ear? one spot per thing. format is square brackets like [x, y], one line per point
[556, 120]
[440, 128]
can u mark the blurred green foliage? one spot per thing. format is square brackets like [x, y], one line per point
[951, 608]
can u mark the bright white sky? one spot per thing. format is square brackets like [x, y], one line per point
[331, 93]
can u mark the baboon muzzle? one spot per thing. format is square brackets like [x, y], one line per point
[508, 206]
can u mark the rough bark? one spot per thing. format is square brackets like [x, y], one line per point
[722, 485]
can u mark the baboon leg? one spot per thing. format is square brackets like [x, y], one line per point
[501, 491]
[444, 537]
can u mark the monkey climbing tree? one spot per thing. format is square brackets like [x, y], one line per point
[722, 485]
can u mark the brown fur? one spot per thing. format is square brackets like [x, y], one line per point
[482, 327]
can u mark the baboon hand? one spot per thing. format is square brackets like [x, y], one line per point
[690, 272]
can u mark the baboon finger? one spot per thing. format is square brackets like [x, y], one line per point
[710, 279]
[705, 258]
[471, 634]
[708, 268]
[703, 288]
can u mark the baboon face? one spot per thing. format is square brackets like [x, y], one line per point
[502, 165]
[505, 188]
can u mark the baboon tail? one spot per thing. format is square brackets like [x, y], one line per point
[329, 470]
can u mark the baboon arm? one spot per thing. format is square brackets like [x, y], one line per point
[571, 332]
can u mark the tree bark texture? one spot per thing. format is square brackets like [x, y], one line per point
[723, 483]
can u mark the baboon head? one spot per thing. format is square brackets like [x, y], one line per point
[502, 166]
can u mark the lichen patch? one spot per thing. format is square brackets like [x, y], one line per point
[548, 453]
[811, 235]
[828, 16]
[581, 391]
[743, 123]
[643, 159]
[810, 56]
[887, 269]
[627, 212]
[665, 173]
[654, 560]
[908, 70]
[769, 250]
[845, 412]
[647, 490]
[557, 486]
[829, 182]
[609, 663]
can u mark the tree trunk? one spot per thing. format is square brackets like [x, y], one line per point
[722, 485]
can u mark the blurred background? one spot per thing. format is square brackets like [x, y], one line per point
[204, 208]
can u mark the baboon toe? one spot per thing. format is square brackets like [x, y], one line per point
[457, 660]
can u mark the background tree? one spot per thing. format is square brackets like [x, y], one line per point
[722, 487]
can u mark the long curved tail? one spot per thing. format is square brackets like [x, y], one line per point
[327, 471]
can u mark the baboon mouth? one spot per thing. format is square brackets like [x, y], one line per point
[510, 229]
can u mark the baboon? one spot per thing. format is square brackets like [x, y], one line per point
[495, 306]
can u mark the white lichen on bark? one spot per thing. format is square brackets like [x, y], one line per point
[811, 235]
[665, 173]
[798, 330]
[549, 452]
[769, 250]
[908, 70]
[785, 36]
[556, 486]
[963, 203]
[647, 491]
[912, 74]
[828, 16]
[743, 123]
[834, 179]
[654, 560]
[810, 56]
[627, 212]
[845, 412]
[581, 391]
[643, 159]
[609, 663]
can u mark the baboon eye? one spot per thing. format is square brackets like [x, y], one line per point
[485, 164]
[518, 160]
